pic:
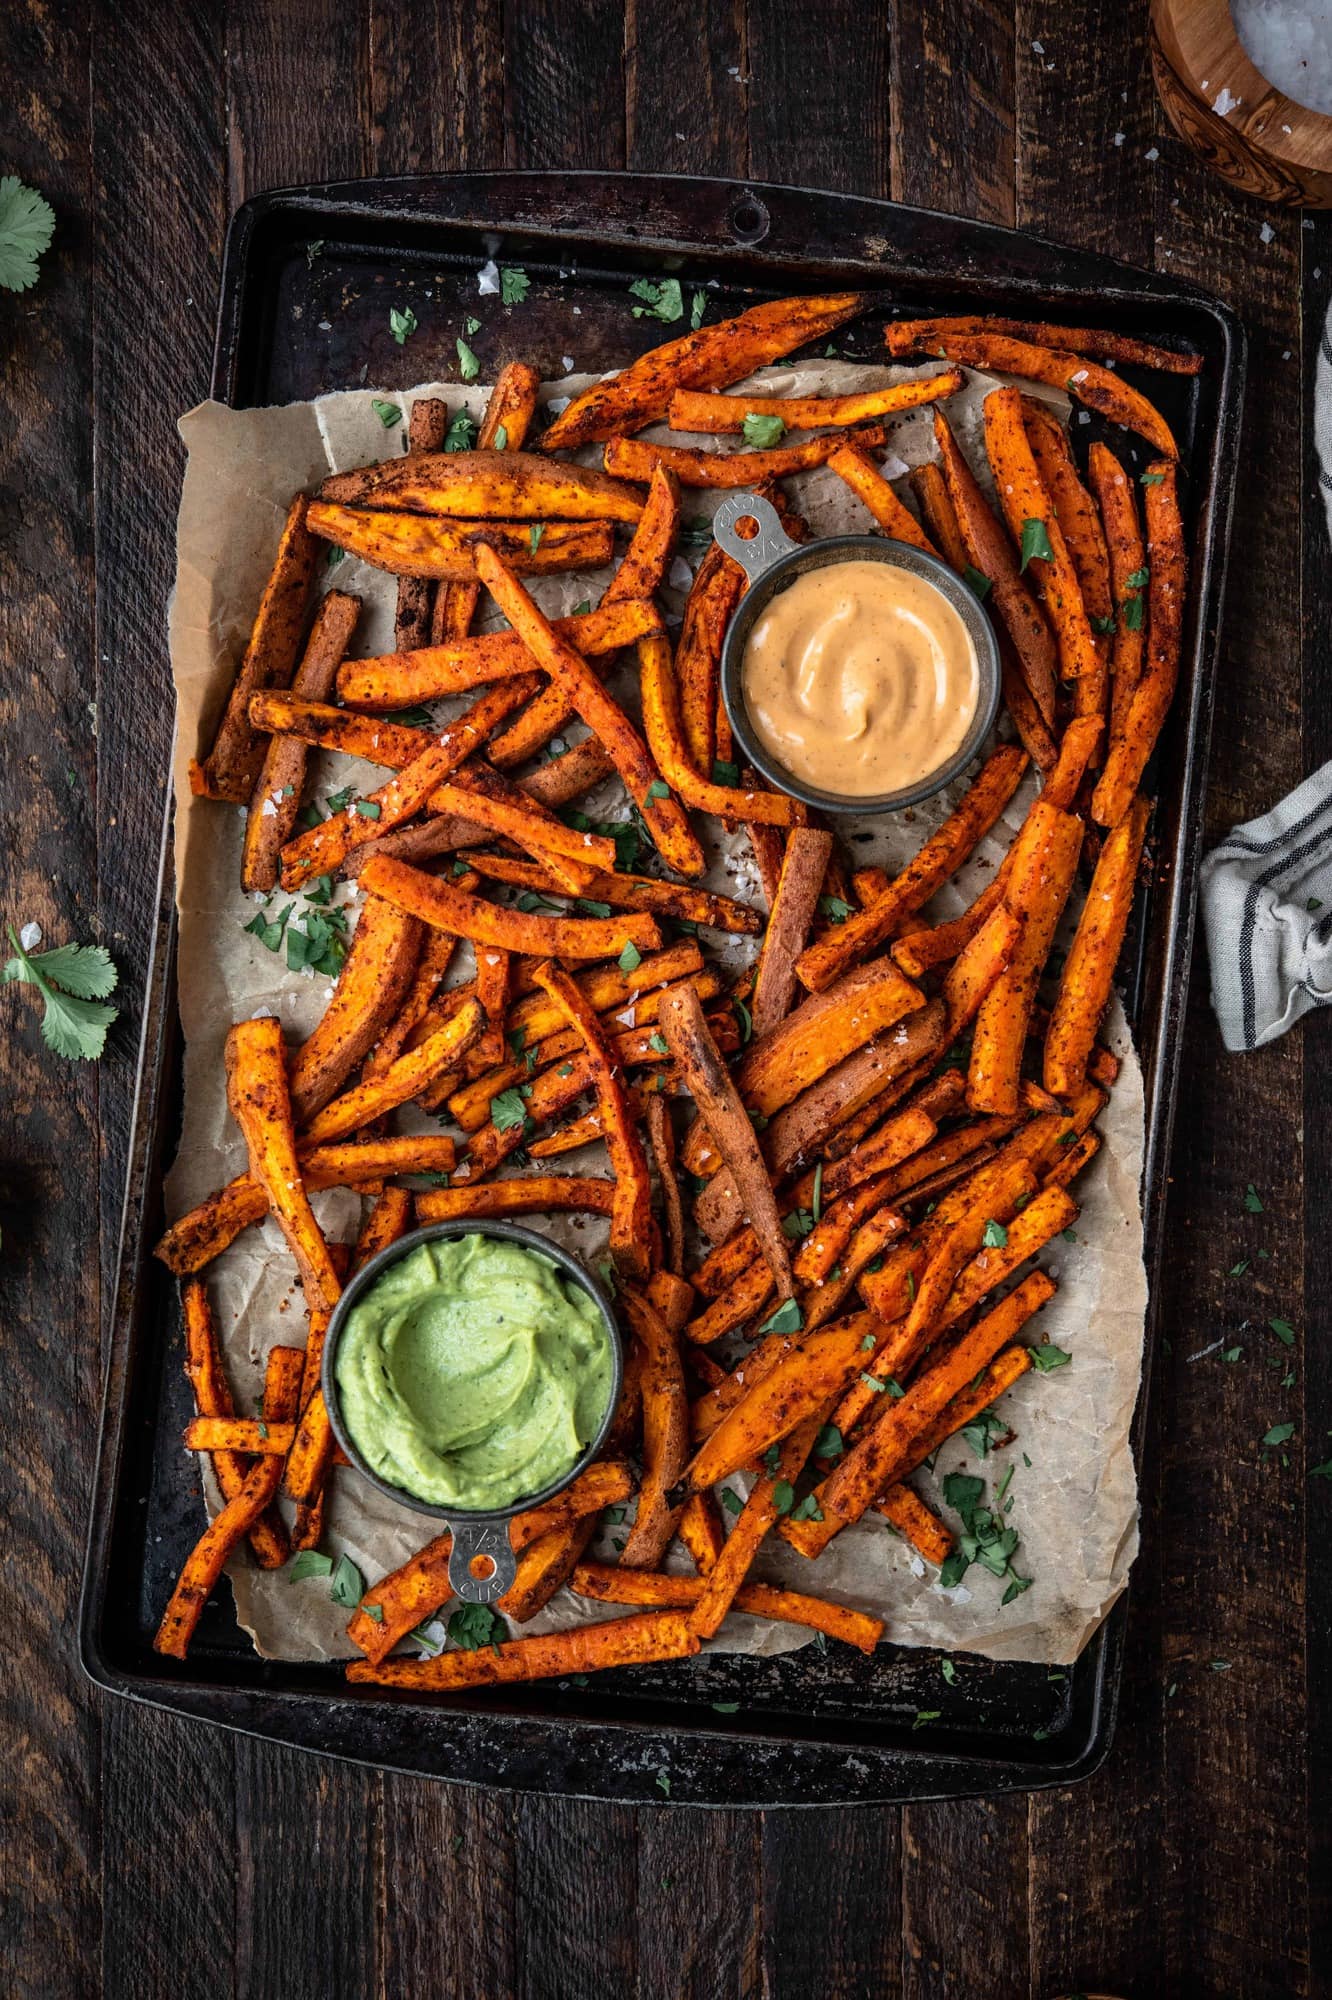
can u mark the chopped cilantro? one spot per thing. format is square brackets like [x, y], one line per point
[1045, 1357]
[996, 1236]
[468, 365]
[788, 1318]
[347, 1585]
[507, 1110]
[977, 581]
[514, 286]
[663, 301]
[473, 1626]
[1035, 542]
[401, 324]
[724, 773]
[1252, 1201]
[389, 414]
[762, 432]
[461, 433]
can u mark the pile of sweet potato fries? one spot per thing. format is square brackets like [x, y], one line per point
[875, 1130]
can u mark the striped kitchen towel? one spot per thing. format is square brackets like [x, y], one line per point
[1267, 889]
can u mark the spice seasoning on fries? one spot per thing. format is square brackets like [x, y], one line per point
[825, 1176]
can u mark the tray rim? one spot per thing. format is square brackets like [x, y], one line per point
[315, 1719]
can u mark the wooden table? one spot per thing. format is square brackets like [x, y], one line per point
[168, 1858]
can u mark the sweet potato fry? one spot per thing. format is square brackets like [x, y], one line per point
[761, 1511]
[528, 1196]
[389, 1219]
[1035, 1225]
[978, 965]
[711, 357]
[249, 1436]
[231, 768]
[615, 1642]
[880, 1455]
[661, 1144]
[1089, 968]
[504, 427]
[422, 545]
[1026, 501]
[718, 586]
[719, 1105]
[1080, 526]
[639, 576]
[632, 458]
[413, 1592]
[493, 982]
[1136, 731]
[938, 515]
[397, 680]
[212, 1398]
[793, 910]
[203, 1570]
[661, 812]
[919, 1524]
[1045, 862]
[812, 1373]
[631, 892]
[1075, 1157]
[829, 1025]
[609, 1584]
[742, 1300]
[431, 967]
[257, 1095]
[700, 1530]
[869, 485]
[436, 902]
[486, 486]
[277, 794]
[403, 1080]
[631, 1204]
[1128, 558]
[944, 852]
[529, 826]
[922, 336]
[665, 1433]
[1108, 394]
[992, 555]
[427, 427]
[665, 734]
[1008, 1367]
[704, 410]
[327, 727]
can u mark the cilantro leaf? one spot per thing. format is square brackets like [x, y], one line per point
[309, 1562]
[347, 1585]
[514, 287]
[475, 1625]
[783, 1496]
[630, 958]
[788, 1318]
[697, 309]
[1252, 1201]
[1035, 542]
[507, 1110]
[1132, 609]
[461, 433]
[663, 301]
[401, 324]
[1045, 1357]
[977, 581]
[996, 1236]
[762, 432]
[27, 224]
[1279, 1434]
[724, 772]
[388, 413]
[534, 534]
[658, 789]
[834, 909]
[85, 970]
[468, 365]
[828, 1443]
[1283, 1330]
[74, 1021]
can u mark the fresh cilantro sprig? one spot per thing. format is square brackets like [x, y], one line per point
[664, 301]
[27, 224]
[73, 980]
[984, 1538]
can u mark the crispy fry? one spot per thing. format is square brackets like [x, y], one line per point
[436, 956]
[919, 1524]
[529, 1196]
[427, 427]
[231, 768]
[922, 336]
[793, 910]
[277, 793]
[545, 1568]
[504, 427]
[531, 827]
[665, 1433]
[869, 485]
[1137, 730]
[1035, 1225]
[945, 851]
[663, 816]
[665, 735]
[1045, 862]
[632, 458]
[810, 1374]
[1089, 969]
[1080, 526]
[760, 1512]
[397, 680]
[212, 1398]
[403, 1080]
[1108, 394]
[718, 586]
[631, 892]
[706, 411]
[1024, 499]
[327, 727]
[608, 1584]
[1008, 1367]
[486, 486]
[711, 357]
[1128, 559]
[494, 970]
[768, 845]
[389, 1219]
[661, 1144]
[203, 1570]
[247, 1435]
[438, 903]
[631, 1205]
[978, 965]
[257, 1095]
[830, 1024]
[421, 545]
[614, 1642]
[700, 1530]
[938, 514]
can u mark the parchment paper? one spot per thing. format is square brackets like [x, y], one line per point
[1075, 1505]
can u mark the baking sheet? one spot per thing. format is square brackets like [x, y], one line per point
[1075, 1505]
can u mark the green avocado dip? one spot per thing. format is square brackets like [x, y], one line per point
[473, 1372]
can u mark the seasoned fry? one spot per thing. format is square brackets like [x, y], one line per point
[661, 812]
[203, 1571]
[1128, 559]
[277, 794]
[1030, 1230]
[1029, 510]
[665, 1433]
[212, 1398]
[504, 427]
[811, 1373]
[1045, 862]
[922, 336]
[397, 680]
[703, 410]
[711, 357]
[700, 1530]
[494, 970]
[427, 428]
[718, 586]
[403, 1080]
[827, 1026]
[531, 1196]
[1080, 526]
[760, 1512]
[920, 1525]
[661, 1144]
[244, 1435]
[530, 826]
[420, 545]
[631, 892]
[665, 735]
[486, 486]
[794, 907]
[1084, 988]
[1108, 394]
[257, 1095]
[438, 903]
[616, 1585]
[632, 458]
[1137, 729]
[231, 768]
[389, 1219]
[978, 965]
[431, 967]
[868, 484]
[614, 1642]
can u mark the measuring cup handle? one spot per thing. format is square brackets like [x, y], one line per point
[768, 546]
[481, 1538]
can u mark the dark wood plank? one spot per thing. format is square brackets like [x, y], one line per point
[683, 91]
[814, 87]
[575, 1883]
[964, 1898]
[448, 1889]
[436, 86]
[49, 1835]
[1232, 1574]
[832, 1895]
[1085, 118]
[298, 93]
[952, 103]
[564, 84]
[699, 1913]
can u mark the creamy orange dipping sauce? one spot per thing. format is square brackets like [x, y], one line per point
[860, 678]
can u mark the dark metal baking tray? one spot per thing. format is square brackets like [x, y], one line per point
[309, 276]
